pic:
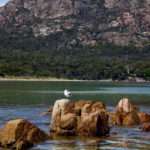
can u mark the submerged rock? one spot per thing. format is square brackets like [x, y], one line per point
[20, 134]
[85, 118]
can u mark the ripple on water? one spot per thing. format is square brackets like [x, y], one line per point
[119, 139]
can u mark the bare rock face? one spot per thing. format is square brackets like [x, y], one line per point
[84, 118]
[119, 22]
[20, 134]
[126, 114]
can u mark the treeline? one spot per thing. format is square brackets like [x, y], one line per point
[99, 62]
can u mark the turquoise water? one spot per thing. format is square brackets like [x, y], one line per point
[29, 99]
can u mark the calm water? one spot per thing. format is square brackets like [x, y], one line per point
[29, 99]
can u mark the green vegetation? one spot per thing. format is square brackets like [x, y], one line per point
[36, 57]
[78, 63]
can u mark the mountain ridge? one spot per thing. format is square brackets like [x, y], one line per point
[119, 22]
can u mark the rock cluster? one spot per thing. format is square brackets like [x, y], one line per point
[20, 134]
[84, 118]
[127, 114]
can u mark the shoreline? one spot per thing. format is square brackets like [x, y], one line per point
[63, 80]
[46, 79]
[33, 79]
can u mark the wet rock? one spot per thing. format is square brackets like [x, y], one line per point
[131, 119]
[58, 111]
[84, 118]
[93, 124]
[68, 121]
[93, 106]
[112, 118]
[63, 118]
[146, 127]
[144, 117]
[79, 105]
[20, 134]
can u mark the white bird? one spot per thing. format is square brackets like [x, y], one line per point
[67, 93]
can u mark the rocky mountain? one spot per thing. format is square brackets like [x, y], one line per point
[73, 23]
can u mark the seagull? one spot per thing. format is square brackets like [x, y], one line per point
[67, 93]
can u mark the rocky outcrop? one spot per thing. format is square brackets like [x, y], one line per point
[20, 134]
[84, 118]
[89, 22]
[126, 114]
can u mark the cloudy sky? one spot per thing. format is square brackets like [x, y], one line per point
[2, 2]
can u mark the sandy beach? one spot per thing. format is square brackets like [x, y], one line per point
[46, 79]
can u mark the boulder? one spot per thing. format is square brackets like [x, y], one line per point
[125, 105]
[93, 124]
[144, 117]
[124, 119]
[63, 120]
[146, 127]
[126, 114]
[93, 120]
[21, 134]
[58, 111]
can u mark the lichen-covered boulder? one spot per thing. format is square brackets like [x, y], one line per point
[144, 117]
[84, 118]
[20, 134]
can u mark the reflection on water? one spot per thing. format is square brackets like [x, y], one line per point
[108, 90]
[47, 92]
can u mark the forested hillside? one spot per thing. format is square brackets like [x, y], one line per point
[82, 39]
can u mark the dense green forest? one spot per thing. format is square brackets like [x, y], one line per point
[30, 57]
